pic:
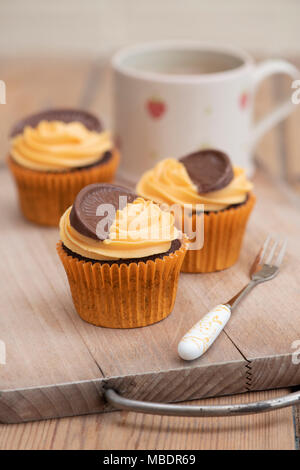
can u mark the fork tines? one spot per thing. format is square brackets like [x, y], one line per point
[273, 250]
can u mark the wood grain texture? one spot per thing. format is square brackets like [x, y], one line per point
[124, 430]
[17, 406]
[75, 398]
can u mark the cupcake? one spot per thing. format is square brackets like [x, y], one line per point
[53, 155]
[122, 256]
[216, 200]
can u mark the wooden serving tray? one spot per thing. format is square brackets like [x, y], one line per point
[57, 365]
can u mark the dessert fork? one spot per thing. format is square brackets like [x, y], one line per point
[202, 335]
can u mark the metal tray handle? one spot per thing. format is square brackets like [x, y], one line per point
[119, 402]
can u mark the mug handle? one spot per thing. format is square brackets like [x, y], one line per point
[262, 71]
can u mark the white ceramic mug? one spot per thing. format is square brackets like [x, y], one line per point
[173, 98]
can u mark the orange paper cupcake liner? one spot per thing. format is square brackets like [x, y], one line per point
[44, 197]
[223, 237]
[123, 296]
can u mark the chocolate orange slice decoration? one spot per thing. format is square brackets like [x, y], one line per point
[210, 170]
[84, 214]
[90, 121]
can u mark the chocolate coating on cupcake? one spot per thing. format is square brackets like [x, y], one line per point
[175, 245]
[107, 156]
[90, 121]
[83, 216]
[209, 170]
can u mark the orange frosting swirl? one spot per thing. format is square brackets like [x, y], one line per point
[168, 182]
[140, 229]
[58, 146]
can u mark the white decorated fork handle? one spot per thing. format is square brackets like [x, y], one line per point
[202, 335]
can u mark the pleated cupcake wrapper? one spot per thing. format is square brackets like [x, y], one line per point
[123, 296]
[223, 237]
[45, 196]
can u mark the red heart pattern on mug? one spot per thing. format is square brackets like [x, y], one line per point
[244, 99]
[156, 107]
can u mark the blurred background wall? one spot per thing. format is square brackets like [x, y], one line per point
[98, 27]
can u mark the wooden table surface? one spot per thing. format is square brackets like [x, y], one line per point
[33, 84]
